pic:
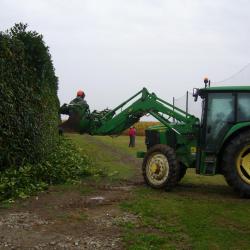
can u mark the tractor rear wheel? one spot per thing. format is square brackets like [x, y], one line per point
[236, 164]
[160, 167]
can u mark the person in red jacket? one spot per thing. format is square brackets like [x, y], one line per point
[132, 134]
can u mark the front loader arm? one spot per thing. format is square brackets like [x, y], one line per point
[117, 120]
[112, 122]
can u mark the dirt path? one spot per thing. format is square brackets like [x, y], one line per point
[85, 216]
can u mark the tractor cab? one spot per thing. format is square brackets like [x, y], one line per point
[225, 113]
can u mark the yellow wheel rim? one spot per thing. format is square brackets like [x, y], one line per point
[243, 164]
[157, 169]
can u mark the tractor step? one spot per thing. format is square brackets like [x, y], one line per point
[209, 165]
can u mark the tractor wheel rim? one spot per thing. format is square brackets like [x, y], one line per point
[157, 169]
[243, 164]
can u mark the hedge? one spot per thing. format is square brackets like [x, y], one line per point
[28, 96]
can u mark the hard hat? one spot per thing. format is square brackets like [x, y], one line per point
[205, 79]
[80, 93]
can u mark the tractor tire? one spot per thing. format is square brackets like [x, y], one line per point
[183, 170]
[236, 164]
[160, 167]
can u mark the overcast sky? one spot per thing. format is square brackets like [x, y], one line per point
[112, 48]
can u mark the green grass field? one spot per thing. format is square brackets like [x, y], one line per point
[201, 213]
[101, 149]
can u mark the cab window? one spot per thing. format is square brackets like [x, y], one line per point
[220, 114]
[243, 107]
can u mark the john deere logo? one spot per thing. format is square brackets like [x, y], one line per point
[193, 150]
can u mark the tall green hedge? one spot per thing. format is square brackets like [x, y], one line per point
[28, 98]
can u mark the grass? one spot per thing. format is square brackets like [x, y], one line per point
[106, 159]
[122, 142]
[141, 241]
[192, 222]
[201, 213]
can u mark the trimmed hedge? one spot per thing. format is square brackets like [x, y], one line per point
[28, 98]
[32, 155]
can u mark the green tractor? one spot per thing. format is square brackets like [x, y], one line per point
[219, 143]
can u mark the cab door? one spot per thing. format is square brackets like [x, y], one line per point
[220, 116]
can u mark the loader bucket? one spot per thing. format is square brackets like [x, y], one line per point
[78, 120]
[72, 124]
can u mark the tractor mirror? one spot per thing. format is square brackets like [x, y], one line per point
[195, 93]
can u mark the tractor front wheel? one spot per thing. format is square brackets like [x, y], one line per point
[160, 168]
[183, 170]
[236, 163]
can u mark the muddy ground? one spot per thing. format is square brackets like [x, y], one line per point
[83, 217]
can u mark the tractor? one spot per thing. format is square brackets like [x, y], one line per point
[218, 143]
